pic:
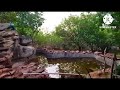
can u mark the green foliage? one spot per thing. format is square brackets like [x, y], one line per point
[53, 40]
[40, 38]
[28, 22]
[83, 32]
[6, 17]
[78, 30]
[75, 32]
[116, 37]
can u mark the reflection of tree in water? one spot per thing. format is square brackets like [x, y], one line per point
[78, 66]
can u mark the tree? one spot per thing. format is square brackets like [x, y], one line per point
[84, 32]
[79, 30]
[6, 17]
[28, 22]
[116, 32]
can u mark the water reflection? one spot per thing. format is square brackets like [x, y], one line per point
[73, 66]
[53, 68]
[77, 65]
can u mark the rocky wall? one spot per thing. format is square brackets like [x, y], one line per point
[11, 51]
[8, 42]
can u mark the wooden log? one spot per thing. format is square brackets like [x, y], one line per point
[52, 73]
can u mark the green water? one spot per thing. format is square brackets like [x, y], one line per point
[77, 65]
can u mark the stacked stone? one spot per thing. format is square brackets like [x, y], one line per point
[12, 48]
[7, 45]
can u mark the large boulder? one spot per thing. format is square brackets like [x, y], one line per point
[26, 51]
[25, 41]
[4, 26]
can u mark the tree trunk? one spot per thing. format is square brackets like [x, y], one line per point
[104, 59]
[80, 48]
[102, 49]
[92, 49]
[108, 49]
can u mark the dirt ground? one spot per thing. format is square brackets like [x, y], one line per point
[100, 74]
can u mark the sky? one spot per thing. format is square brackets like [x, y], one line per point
[52, 19]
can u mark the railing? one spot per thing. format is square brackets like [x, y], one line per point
[62, 74]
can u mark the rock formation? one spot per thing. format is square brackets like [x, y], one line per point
[8, 40]
[13, 48]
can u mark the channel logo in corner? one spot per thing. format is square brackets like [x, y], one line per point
[107, 20]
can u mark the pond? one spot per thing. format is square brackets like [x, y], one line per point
[76, 66]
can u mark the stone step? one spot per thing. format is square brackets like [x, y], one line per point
[1, 42]
[3, 54]
[5, 62]
[2, 59]
[3, 49]
[1, 39]
[8, 44]
[8, 34]
[2, 66]
[1, 45]
[2, 33]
